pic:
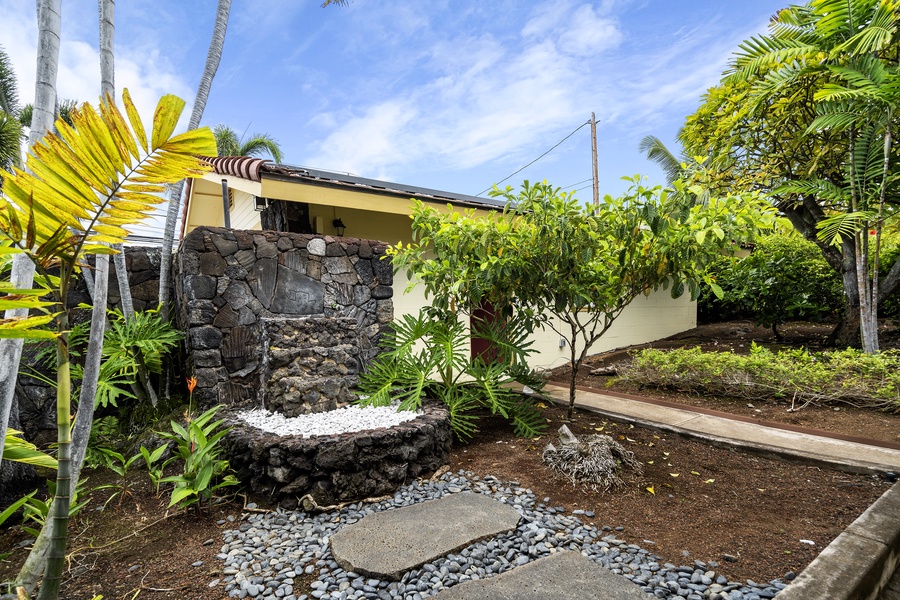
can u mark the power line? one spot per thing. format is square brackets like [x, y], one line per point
[537, 159]
[566, 187]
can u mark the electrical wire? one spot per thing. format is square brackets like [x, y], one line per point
[535, 160]
[568, 187]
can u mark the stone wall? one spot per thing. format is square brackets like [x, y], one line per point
[310, 364]
[142, 264]
[342, 467]
[227, 282]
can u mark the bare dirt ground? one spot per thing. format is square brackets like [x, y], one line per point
[705, 502]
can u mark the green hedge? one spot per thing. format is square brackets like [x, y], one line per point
[784, 278]
[847, 376]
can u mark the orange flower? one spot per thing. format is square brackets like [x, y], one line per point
[191, 383]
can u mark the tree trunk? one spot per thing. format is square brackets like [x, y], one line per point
[62, 499]
[42, 121]
[81, 431]
[846, 333]
[212, 65]
[575, 363]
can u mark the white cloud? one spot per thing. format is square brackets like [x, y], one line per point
[145, 72]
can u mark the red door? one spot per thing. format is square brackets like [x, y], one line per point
[484, 314]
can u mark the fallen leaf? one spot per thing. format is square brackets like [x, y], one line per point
[674, 474]
[665, 454]
[651, 490]
[599, 428]
[629, 439]
[650, 444]
[695, 473]
[710, 481]
[541, 405]
[649, 462]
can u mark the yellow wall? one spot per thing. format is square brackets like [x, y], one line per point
[372, 216]
[646, 319]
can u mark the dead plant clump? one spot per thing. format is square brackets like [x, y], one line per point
[593, 461]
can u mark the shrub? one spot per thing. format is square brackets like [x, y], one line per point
[785, 277]
[848, 376]
[429, 357]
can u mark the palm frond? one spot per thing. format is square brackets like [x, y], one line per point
[92, 167]
[816, 188]
[656, 151]
[878, 22]
[836, 228]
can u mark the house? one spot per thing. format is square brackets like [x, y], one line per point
[263, 195]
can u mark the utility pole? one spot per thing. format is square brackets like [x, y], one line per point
[596, 173]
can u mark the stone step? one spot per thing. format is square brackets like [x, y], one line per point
[561, 576]
[389, 543]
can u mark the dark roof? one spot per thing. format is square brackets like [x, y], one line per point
[255, 169]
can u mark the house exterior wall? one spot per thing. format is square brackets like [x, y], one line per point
[244, 214]
[648, 318]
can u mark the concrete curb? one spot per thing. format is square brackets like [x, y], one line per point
[858, 563]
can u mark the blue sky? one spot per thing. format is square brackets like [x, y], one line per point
[453, 95]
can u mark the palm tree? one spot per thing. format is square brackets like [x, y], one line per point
[22, 274]
[212, 64]
[228, 144]
[10, 129]
[847, 49]
[123, 186]
[213, 57]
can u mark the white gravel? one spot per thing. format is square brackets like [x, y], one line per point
[342, 420]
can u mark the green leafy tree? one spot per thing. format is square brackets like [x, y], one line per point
[571, 267]
[783, 278]
[10, 129]
[81, 190]
[807, 113]
[229, 144]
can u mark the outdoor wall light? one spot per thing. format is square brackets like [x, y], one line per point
[339, 227]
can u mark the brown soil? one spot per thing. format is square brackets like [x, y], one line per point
[706, 502]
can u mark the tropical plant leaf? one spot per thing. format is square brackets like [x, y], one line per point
[92, 167]
[834, 229]
[17, 449]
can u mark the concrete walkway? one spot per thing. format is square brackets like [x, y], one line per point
[768, 440]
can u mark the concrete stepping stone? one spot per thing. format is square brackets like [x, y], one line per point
[389, 543]
[561, 576]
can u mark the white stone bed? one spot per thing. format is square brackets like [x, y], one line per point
[342, 420]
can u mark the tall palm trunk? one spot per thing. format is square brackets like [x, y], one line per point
[42, 121]
[107, 10]
[212, 65]
[62, 499]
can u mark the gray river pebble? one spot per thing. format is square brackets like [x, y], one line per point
[268, 550]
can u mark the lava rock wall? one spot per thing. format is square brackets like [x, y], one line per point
[228, 282]
[310, 364]
[343, 467]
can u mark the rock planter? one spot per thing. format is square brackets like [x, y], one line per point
[339, 468]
